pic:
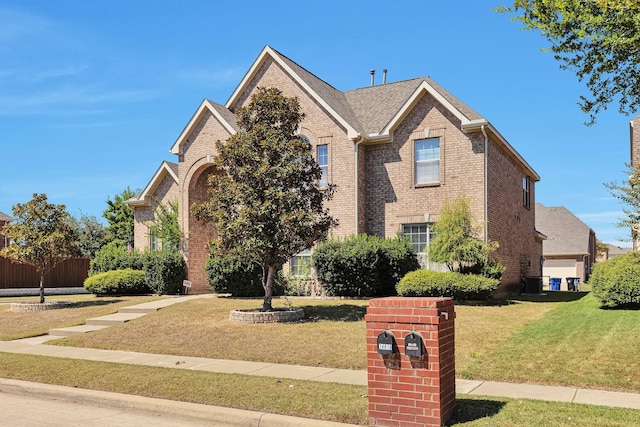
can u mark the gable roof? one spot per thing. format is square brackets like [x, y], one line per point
[566, 233]
[5, 218]
[144, 198]
[369, 114]
[226, 118]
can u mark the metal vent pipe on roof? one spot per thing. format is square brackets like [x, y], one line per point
[373, 73]
[384, 76]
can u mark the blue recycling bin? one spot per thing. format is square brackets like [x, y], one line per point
[554, 283]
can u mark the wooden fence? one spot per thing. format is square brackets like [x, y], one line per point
[67, 274]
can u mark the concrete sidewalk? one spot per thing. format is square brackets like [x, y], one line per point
[37, 346]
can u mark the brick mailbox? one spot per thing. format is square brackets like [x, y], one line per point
[410, 361]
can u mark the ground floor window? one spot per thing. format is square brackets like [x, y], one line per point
[420, 236]
[300, 264]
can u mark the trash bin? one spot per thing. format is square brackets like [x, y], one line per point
[533, 285]
[554, 283]
[573, 283]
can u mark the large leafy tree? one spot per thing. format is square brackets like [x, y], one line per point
[120, 219]
[91, 235]
[598, 39]
[628, 193]
[42, 235]
[266, 205]
[455, 243]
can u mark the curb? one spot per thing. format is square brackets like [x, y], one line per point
[208, 414]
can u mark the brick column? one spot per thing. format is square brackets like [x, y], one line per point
[411, 391]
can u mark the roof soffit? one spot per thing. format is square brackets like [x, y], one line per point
[144, 198]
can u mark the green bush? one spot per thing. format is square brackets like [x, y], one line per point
[237, 276]
[118, 282]
[616, 282]
[165, 269]
[425, 283]
[113, 256]
[363, 266]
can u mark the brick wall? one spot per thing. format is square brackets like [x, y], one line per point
[411, 391]
[166, 191]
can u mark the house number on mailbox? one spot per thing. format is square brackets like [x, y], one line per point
[386, 343]
[413, 345]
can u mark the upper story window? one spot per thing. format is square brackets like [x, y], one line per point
[427, 161]
[526, 192]
[322, 156]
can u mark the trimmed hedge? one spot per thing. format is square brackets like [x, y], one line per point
[362, 265]
[118, 282]
[165, 270]
[426, 283]
[235, 276]
[616, 282]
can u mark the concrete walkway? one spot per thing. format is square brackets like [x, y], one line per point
[37, 346]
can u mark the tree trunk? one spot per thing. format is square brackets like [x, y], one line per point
[41, 287]
[268, 289]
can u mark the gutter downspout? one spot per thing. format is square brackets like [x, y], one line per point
[357, 141]
[486, 186]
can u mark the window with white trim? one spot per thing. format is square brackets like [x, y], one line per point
[300, 264]
[420, 236]
[153, 242]
[427, 161]
[322, 156]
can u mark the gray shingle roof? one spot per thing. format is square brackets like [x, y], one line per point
[226, 114]
[566, 233]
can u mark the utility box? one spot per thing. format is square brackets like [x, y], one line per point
[416, 387]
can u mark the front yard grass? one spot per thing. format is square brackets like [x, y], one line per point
[16, 325]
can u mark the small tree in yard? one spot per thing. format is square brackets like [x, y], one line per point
[42, 235]
[455, 243]
[165, 225]
[628, 193]
[267, 206]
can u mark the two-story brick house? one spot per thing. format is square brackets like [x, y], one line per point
[395, 151]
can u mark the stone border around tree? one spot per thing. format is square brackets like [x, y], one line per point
[257, 316]
[37, 306]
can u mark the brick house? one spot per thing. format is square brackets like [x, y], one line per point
[394, 150]
[570, 247]
[4, 220]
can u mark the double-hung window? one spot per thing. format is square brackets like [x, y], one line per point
[322, 156]
[420, 236]
[427, 161]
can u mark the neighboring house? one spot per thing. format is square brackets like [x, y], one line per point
[4, 220]
[612, 251]
[395, 151]
[570, 247]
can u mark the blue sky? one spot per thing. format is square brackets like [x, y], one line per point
[94, 93]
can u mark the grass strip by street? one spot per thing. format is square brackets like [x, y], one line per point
[575, 344]
[325, 401]
[16, 325]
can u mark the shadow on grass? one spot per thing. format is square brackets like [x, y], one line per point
[96, 303]
[552, 296]
[337, 313]
[468, 410]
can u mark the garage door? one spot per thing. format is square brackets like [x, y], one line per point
[559, 268]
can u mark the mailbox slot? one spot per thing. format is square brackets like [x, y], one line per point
[387, 343]
[413, 345]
